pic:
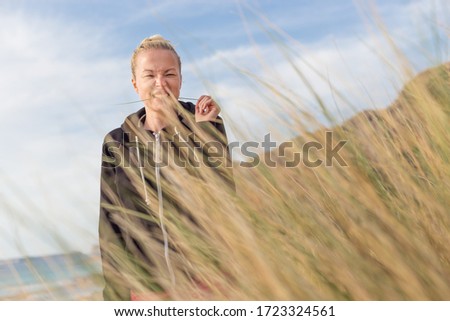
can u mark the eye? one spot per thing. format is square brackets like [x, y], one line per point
[149, 76]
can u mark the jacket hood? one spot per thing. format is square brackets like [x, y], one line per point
[134, 123]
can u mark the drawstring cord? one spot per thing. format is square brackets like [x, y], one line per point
[141, 169]
[160, 200]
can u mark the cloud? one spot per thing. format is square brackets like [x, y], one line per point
[62, 76]
[363, 68]
[59, 85]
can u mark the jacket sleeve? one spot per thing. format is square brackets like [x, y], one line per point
[112, 245]
[216, 130]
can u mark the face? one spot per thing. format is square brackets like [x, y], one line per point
[157, 74]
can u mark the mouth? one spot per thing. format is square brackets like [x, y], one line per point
[159, 95]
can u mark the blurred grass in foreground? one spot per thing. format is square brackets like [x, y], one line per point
[376, 227]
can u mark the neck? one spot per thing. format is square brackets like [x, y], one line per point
[154, 122]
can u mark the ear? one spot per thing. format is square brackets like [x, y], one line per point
[181, 80]
[133, 81]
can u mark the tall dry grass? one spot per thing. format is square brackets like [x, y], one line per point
[377, 228]
[374, 228]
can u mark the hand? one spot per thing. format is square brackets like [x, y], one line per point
[206, 109]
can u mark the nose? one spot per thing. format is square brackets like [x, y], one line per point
[160, 81]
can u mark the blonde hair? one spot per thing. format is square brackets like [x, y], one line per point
[153, 42]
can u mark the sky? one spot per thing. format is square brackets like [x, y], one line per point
[65, 73]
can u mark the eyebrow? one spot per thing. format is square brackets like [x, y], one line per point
[151, 70]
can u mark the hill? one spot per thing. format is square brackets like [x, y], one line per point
[371, 224]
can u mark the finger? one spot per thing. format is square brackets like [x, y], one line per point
[198, 108]
[204, 104]
[213, 108]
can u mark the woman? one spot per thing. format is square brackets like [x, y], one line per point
[138, 184]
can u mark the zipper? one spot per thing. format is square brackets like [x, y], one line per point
[161, 204]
